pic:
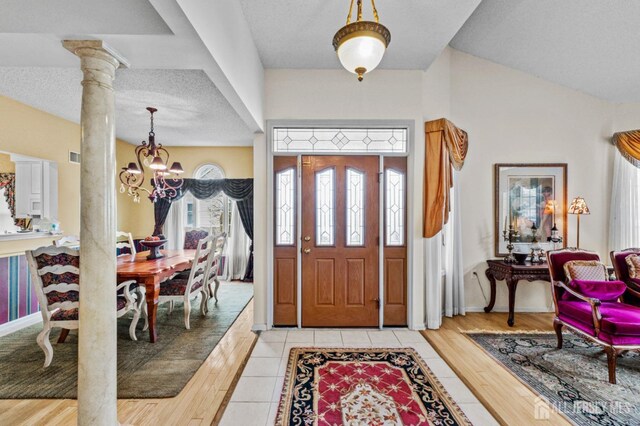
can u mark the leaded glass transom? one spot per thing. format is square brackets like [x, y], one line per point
[285, 207]
[394, 208]
[355, 207]
[325, 207]
[325, 140]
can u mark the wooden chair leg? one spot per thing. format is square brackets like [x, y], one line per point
[45, 345]
[64, 332]
[612, 358]
[557, 326]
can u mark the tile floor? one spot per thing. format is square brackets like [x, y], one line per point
[255, 399]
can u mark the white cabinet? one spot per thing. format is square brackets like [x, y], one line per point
[36, 189]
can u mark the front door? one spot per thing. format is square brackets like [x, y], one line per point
[340, 241]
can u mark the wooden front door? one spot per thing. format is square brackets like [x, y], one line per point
[340, 239]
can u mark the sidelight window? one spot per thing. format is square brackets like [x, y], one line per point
[394, 207]
[285, 207]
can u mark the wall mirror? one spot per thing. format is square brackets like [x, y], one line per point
[531, 199]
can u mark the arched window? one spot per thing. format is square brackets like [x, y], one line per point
[212, 213]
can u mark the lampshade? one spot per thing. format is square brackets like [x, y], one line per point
[133, 168]
[157, 164]
[176, 168]
[578, 206]
[361, 45]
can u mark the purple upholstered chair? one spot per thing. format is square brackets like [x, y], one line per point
[620, 266]
[590, 306]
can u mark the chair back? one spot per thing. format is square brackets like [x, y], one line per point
[124, 243]
[556, 260]
[192, 237]
[68, 241]
[618, 260]
[215, 260]
[55, 273]
[200, 262]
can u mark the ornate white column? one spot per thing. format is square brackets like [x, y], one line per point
[97, 375]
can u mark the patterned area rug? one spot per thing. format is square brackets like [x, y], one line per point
[328, 387]
[572, 380]
[145, 369]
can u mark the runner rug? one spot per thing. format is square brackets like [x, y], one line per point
[363, 387]
[572, 380]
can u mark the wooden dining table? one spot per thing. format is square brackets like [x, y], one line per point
[151, 273]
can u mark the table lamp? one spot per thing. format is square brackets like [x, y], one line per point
[578, 207]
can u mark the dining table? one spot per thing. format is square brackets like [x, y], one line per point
[151, 273]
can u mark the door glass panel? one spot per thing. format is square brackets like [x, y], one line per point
[325, 207]
[285, 207]
[394, 208]
[355, 208]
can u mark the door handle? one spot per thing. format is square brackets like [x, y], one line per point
[307, 238]
[306, 251]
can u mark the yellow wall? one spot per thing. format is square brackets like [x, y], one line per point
[28, 131]
[237, 162]
[6, 165]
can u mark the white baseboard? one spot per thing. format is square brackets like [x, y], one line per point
[20, 323]
[259, 327]
[534, 309]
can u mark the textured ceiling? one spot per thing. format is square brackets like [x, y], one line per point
[589, 46]
[81, 17]
[298, 34]
[191, 110]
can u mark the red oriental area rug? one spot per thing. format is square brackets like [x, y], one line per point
[328, 387]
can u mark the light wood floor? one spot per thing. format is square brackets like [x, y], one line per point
[197, 404]
[506, 398]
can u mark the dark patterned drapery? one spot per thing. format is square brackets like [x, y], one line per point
[8, 182]
[240, 190]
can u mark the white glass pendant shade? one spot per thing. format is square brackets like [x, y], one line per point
[361, 52]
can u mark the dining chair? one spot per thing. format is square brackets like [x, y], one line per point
[192, 236]
[180, 289]
[124, 243]
[55, 273]
[71, 241]
[214, 263]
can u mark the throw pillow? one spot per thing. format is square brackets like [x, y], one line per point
[633, 262]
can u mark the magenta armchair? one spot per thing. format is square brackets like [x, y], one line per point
[618, 260]
[591, 307]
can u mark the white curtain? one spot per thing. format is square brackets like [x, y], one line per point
[444, 268]
[624, 225]
[174, 226]
[237, 249]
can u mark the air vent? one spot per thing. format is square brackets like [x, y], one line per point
[74, 157]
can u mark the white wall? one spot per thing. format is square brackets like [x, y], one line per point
[511, 117]
[514, 117]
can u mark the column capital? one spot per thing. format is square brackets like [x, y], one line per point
[96, 48]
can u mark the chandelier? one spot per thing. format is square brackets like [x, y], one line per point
[156, 158]
[360, 45]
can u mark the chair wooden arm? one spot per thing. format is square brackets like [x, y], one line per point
[632, 292]
[595, 305]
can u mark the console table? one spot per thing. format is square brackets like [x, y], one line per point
[512, 273]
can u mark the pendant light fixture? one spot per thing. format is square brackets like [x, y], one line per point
[156, 158]
[361, 45]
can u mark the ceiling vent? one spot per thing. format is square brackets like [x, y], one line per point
[74, 157]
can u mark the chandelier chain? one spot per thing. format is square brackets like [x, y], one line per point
[350, 12]
[375, 11]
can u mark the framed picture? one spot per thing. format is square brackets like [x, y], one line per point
[530, 197]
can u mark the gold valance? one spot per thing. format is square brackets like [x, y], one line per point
[628, 143]
[445, 150]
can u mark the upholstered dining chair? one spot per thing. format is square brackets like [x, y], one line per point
[124, 243]
[55, 272]
[626, 264]
[589, 305]
[192, 236]
[180, 289]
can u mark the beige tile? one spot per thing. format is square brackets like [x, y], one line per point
[328, 336]
[300, 336]
[246, 414]
[440, 369]
[408, 336]
[383, 338]
[273, 412]
[277, 389]
[273, 336]
[478, 415]
[254, 389]
[458, 390]
[268, 349]
[261, 367]
[353, 338]
[425, 350]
